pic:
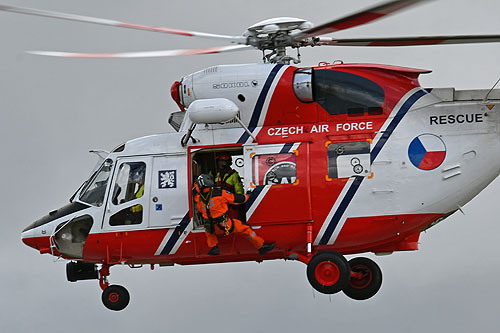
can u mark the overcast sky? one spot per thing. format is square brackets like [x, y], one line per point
[53, 111]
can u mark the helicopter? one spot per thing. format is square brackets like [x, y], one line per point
[346, 145]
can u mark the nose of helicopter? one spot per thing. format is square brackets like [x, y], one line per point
[28, 239]
[37, 242]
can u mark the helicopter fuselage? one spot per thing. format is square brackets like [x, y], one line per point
[353, 158]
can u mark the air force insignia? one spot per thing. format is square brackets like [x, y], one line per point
[167, 179]
[427, 151]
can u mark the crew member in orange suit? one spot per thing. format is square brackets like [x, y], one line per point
[212, 202]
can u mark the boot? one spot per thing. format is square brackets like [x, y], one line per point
[266, 247]
[214, 251]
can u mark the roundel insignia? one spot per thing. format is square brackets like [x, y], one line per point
[427, 151]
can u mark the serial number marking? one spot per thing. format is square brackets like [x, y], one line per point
[456, 119]
[232, 85]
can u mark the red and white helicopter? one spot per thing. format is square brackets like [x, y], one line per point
[366, 158]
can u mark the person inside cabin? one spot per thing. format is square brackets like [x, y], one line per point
[137, 182]
[229, 180]
[226, 177]
[213, 203]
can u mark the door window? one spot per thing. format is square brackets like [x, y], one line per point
[129, 183]
[129, 186]
[127, 216]
[273, 169]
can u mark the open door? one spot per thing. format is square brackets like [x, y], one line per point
[204, 160]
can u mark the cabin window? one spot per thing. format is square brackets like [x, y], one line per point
[94, 192]
[302, 84]
[129, 183]
[127, 216]
[274, 169]
[345, 93]
[349, 159]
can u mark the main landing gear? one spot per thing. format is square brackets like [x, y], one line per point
[114, 297]
[329, 272]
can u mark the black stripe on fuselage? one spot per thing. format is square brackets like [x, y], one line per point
[56, 214]
[260, 103]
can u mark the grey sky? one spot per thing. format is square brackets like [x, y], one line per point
[54, 110]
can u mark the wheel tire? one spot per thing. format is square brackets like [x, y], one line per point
[328, 272]
[115, 297]
[367, 286]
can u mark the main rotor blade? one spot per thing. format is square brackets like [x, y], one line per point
[354, 20]
[88, 19]
[146, 54]
[410, 41]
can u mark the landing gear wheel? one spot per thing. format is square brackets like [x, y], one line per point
[328, 272]
[366, 279]
[115, 297]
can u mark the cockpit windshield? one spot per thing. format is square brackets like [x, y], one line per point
[95, 190]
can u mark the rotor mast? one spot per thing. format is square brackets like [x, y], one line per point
[274, 35]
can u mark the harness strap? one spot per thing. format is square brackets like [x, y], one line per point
[226, 229]
[206, 202]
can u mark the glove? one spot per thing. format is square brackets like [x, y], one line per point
[195, 190]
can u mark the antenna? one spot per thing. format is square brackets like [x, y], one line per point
[489, 92]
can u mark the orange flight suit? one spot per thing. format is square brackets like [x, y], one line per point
[213, 205]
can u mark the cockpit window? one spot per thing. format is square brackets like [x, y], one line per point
[95, 190]
[345, 93]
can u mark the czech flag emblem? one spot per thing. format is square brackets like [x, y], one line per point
[427, 151]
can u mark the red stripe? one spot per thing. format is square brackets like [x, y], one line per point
[355, 21]
[145, 27]
[204, 51]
